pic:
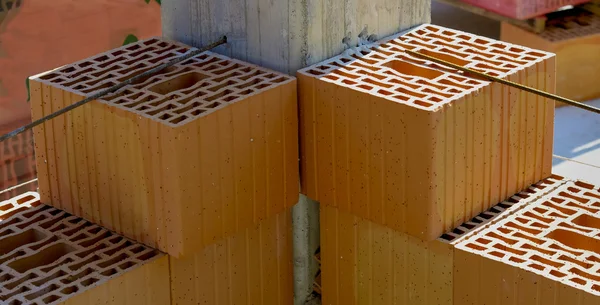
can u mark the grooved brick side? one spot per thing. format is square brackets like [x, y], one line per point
[366, 263]
[179, 160]
[253, 266]
[49, 257]
[575, 38]
[385, 135]
[546, 253]
[523, 9]
[17, 165]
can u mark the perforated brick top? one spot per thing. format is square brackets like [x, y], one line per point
[48, 255]
[175, 96]
[574, 24]
[511, 204]
[557, 236]
[385, 70]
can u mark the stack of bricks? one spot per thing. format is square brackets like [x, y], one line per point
[198, 161]
[399, 151]
[523, 9]
[574, 36]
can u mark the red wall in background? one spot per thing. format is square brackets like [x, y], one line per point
[40, 35]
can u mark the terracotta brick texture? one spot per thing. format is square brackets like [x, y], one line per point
[48, 256]
[575, 38]
[366, 263]
[385, 135]
[523, 9]
[17, 165]
[178, 160]
[253, 266]
[546, 253]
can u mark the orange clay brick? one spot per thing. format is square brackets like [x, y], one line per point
[546, 253]
[48, 257]
[176, 161]
[523, 9]
[385, 135]
[576, 41]
[17, 165]
[253, 266]
[366, 263]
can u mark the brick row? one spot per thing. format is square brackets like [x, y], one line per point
[385, 135]
[48, 256]
[552, 244]
[363, 262]
[179, 160]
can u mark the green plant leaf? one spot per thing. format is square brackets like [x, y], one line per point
[147, 1]
[130, 39]
[28, 92]
[158, 1]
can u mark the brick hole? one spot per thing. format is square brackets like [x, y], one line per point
[482, 41]
[502, 238]
[58, 274]
[96, 239]
[222, 85]
[516, 260]
[536, 54]
[148, 255]
[522, 228]
[508, 249]
[584, 274]
[589, 194]
[74, 230]
[93, 82]
[44, 243]
[178, 119]
[511, 66]
[228, 69]
[344, 74]
[101, 58]
[262, 86]
[90, 281]
[486, 215]
[417, 43]
[593, 258]
[528, 58]
[584, 185]
[120, 247]
[14, 284]
[468, 226]
[497, 254]
[115, 260]
[85, 64]
[106, 64]
[349, 82]
[11, 213]
[187, 108]
[588, 221]
[358, 64]
[13, 242]
[109, 272]
[582, 207]
[48, 76]
[231, 98]
[402, 98]
[506, 206]
[6, 277]
[7, 206]
[483, 241]
[206, 61]
[135, 60]
[488, 67]
[146, 50]
[69, 290]
[104, 86]
[161, 58]
[576, 198]
[21, 290]
[369, 61]
[376, 83]
[117, 53]
[126, 265]
[133, 47]
[42, 292]
[420, 32]
[559, 208]
[197, 112]
[540, 210]
[41, 258]
[423, 103]
[489, 61]
[447, 237]
[539, 225]
[253, 82]
[67, 70]
[546, 262]
[384, 92]
[180, 82]
[543, 251]
[575, 240]
[575, 261]
[90, 260]
[95, 249]
[51, 299]
[365, 87]
[569, 226]
[476, 220]
[165, 116]
[527, 237]
[447, 39]
[408, 68]
[536, 266]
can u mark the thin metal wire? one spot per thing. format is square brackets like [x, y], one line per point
[505, 82]
[575, 161]
[191, 53]
[18, 186]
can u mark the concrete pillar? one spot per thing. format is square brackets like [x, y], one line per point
[286, 35]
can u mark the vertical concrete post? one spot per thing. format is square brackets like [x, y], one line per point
[287, 35]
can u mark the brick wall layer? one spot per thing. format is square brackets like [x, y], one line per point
[177, 161]
[17, 165]
[48, 256]
[363, 262]
[575, 38]
[253, 266]
[523, 9]
[385, 135]
[545, 253]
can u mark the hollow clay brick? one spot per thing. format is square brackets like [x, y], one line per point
[546, 253]
[366, 263]
[49, 257]
[576, 41]
[17, 165]
[177, 161]
[253, 266]
[523, 9]
[385, 135]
